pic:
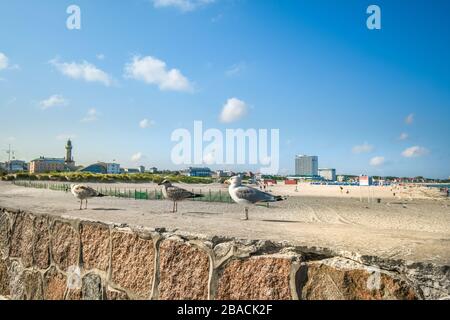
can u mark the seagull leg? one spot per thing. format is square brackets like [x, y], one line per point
[173, 208]
[176, 206]
[86, 204]
[246, 214]
[81, 204]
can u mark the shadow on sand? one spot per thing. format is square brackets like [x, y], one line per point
[203, 213]
[280, 221]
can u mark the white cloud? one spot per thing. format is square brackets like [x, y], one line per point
[363, 148]
[377, 161]
[65, 136]
[217, 18]
[236, 69]
[145, 123]
[11, 101]
[233, 110]
[136, 157]
[153, 71]
[183, 5]
[4, 61]
[403, 136]
[82, 71]
[409, 119]
[91, 115]
[100, 56]
[55, 100]
[414, 152]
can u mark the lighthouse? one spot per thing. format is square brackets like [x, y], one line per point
[69, 160]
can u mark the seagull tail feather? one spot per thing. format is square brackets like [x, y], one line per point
[197, 195]
[279, 198]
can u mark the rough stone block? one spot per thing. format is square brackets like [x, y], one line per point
[41, 243]
[342, 279]
[95, 246]
[73, 294]
[184, 271]
[16, 287]
[92, 287]
[33, 287]
[4, 278]
[4, 233]
[112, 294]
[54, 285]
[65, 245]
[132, 263]
[22, 239]
[257, 278]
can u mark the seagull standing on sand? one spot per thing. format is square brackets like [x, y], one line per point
[246, 195]
[176, 193]
[83, 192]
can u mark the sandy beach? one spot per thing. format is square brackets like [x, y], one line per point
[414, 225]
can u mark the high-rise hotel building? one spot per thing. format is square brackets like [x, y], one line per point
[306, 165]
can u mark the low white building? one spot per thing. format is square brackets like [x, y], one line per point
[16, 165]
[328, 174]
[112, 168]
[223, 174]
[365, 180]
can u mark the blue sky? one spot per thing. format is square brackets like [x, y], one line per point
[364, 101]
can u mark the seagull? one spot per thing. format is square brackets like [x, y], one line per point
[176, 193]
[247, 195]
[83, 192]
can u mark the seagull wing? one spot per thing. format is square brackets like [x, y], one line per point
[176, 193]
[85, 191]
[253, 195]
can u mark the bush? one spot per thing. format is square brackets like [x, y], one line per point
[104, 178]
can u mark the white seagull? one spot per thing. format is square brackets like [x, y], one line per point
[176, 193]
[247, 195]
[83, 192]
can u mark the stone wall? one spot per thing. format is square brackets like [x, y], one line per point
[50, 257]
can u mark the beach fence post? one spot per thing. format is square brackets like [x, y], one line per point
[368, 194]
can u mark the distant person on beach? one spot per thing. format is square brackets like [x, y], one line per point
[342, 189]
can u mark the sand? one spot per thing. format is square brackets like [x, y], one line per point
[404, 192]
[414, 225]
